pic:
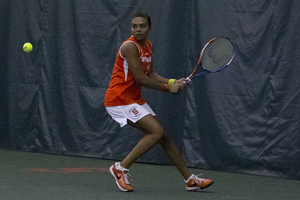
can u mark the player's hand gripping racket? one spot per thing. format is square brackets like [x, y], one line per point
[215, 56]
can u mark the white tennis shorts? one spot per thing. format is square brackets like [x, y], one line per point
[133, 112]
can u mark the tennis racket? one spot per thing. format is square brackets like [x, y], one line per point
[215, 56]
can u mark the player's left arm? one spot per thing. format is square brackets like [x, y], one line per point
[159, 78]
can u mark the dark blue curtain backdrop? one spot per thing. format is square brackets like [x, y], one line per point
[244, 119]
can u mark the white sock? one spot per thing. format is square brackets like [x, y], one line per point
[119, 167]
[189, 178]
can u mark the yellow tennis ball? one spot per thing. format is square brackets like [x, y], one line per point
[27, 47]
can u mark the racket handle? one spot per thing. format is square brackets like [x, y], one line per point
[188, 79]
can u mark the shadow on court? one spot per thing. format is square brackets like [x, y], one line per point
[32, 176]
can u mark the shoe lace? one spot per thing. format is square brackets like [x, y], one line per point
[197, 179]
[126, 174]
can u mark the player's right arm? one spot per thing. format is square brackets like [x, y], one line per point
[130, 51]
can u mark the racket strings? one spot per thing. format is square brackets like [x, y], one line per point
[217, 54]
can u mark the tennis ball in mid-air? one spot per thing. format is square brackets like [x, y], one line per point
[27, 47]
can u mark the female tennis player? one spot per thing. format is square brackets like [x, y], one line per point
[123, 101]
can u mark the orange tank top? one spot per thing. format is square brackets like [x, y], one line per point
[123, 89]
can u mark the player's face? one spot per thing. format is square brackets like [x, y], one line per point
[140, 29]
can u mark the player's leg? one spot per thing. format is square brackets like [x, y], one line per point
[153, 134]
[192, 182]
[174, 154]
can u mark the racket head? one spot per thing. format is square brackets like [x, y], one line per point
[215, 56]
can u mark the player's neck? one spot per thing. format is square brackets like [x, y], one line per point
[142, 43]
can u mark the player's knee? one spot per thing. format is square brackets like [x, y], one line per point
[165, 141]
[158, 133]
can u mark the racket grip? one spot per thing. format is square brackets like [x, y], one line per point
[188, 79]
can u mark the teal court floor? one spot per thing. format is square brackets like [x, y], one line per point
[34, 176]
